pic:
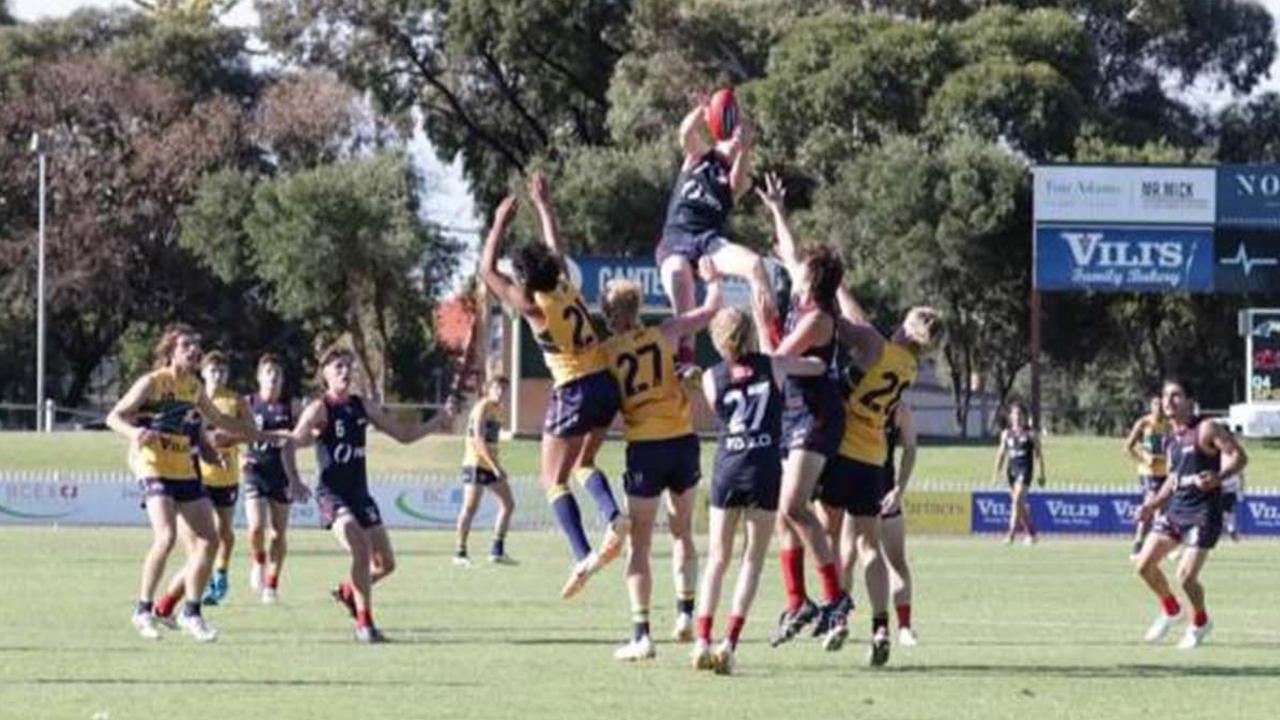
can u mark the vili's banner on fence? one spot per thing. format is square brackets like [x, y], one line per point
[1103, 513]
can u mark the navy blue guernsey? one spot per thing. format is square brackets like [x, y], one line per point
[264, 458]
[1020, 447]
[749, 408]
[823, 395]
[1186, 461]
[701, 199]
[340, 450]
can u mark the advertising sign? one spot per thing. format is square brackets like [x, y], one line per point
[1060, 512]
[1248, 196]
[936, 513]
[1246, 261]
[592, 274]
[1124, 259]
[1135, 194]
[1263, 359]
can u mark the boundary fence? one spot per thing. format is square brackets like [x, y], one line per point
[936, 507]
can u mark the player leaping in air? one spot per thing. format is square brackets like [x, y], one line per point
[585, 398]
[712, 177]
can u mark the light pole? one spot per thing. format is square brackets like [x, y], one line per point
[41, 423]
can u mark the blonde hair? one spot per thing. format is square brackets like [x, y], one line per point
[921, 327]
[731, 333]
[621, 303]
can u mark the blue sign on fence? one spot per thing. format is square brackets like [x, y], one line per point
[1248, 196]
[1102, 513]
[1124, 259]
[592, 274]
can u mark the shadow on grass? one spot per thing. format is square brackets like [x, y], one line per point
[1073, 672]
[226, 682]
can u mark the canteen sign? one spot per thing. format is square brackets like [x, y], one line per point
[1124, 259]
[1140, 194]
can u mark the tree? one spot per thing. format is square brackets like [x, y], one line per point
[495, 83]
[342, 250]
[128, 151]
[1249, 132]
[946, 226]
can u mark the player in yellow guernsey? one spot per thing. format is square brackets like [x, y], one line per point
[482, 471]
[584, 399]
[1146, 444]
[161, 415]
[222, 479]
[880, 371]
[662, 449]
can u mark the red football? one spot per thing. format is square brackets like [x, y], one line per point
[722, 114]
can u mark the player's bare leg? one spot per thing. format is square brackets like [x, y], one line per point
[759, 529]
[258, 515]
[876, 574]
[1153, 553]
[643, 511]
[501, 523]
[202, 539]
[162, 514]
[1189, 567]
[722, 526]
[893, 543]
[684, 561]
[471, 495]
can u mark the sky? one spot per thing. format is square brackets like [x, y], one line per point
[450, 202]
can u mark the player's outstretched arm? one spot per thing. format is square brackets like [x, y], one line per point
[698, 318]
[740, 171]
[850, 308]
[864, 342]
[310, 424]
[774, 195]
[540, 194]
[1234, 458]
[497, 281]
[407, 433]
[691, 140]
[1001, 455]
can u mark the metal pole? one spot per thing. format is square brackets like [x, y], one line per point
[40, 319]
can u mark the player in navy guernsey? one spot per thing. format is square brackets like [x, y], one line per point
[712, 177]
[745, 390]
[270, 480]
[1017, 455]
[812, 428]
[337, 423]
[1201, 453]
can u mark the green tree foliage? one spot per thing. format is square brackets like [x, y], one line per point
[343, 251]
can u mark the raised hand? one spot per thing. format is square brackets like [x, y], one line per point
[539, 189]
[774, 194]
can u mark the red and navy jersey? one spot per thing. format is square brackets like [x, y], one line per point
[1020, 447]
[1186, 461]
[340, 449]
[818, 393]
[701, 199]
[749, 408]
[264, 457]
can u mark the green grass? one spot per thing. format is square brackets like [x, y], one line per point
[1007, 632]
[1071, 459]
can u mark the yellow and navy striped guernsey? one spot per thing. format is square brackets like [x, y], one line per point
[1155, 435]
[875, 395]
[170, 410]
[654, 403]
[228, 403]
[570, 345]
[486, 414]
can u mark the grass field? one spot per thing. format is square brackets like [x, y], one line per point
[1073, 459]
[1050, 631]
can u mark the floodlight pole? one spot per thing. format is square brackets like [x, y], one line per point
[42, 423]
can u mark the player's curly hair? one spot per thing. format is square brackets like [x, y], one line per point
[621, 304]
[163, 353]
[731, 333]
[826, 272]
[536, 267]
